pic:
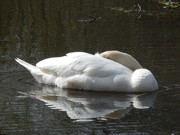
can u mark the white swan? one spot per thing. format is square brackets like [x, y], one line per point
[81, 70]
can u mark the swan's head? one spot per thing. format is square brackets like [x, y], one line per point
[122, 58]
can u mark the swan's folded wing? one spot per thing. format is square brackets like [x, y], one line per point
[81, 63]
[62, 66]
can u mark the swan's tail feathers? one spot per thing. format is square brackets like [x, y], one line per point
[26, 65]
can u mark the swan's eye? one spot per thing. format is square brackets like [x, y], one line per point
[107, 58]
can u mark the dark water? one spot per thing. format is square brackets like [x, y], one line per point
[34, 30]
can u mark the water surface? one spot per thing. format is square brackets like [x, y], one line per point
[34, 30]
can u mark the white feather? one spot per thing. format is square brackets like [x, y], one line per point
[90, 72]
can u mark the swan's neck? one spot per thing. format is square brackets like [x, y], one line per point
[128, 61]
[143, 80]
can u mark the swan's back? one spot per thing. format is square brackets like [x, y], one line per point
[78, 63]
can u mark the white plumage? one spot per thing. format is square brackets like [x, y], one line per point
[81, 70]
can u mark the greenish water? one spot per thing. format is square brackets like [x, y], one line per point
[34, 30]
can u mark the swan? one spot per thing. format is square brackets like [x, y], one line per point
[108, 71]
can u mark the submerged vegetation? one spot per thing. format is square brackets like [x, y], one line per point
[136, 9]
[170, 4]
[139, 7]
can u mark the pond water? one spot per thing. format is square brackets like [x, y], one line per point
[34, 30]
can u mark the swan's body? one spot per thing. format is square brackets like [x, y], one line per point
[81, 70]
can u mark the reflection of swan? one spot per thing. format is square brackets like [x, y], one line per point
[82, 105]
[93, 72]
